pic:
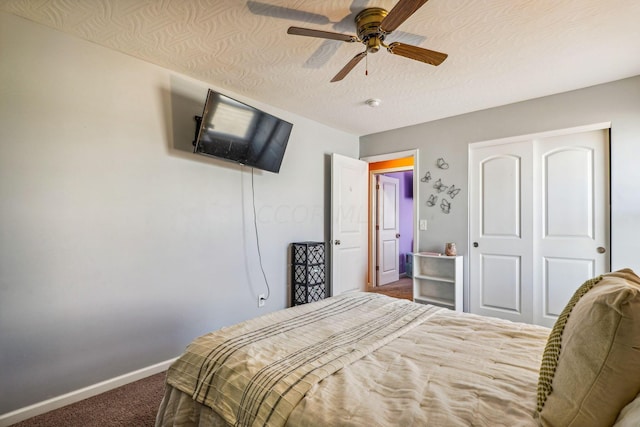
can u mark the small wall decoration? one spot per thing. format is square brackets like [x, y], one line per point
[451, 191]
[445, 206]
[440, 186]
[442, 164]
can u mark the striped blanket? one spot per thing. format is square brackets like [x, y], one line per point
[256, 372]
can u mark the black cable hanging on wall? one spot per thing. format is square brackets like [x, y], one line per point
[255, 226]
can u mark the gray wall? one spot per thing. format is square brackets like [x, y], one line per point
[117, 245]
[617, 102]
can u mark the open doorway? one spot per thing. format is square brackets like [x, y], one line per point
[391, 196]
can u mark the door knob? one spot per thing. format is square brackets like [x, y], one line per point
[397, 235]
[337, 242]
[601, 250]
[475, 244]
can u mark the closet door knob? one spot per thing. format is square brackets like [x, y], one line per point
[601, 250]
[475, 244]
[337, 242]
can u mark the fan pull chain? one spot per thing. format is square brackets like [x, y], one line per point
[366, 65]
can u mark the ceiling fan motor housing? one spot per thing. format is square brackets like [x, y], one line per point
[368, 24]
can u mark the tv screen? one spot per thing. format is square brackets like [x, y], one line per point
[234, 131]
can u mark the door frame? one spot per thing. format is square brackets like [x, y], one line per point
[372, 202]
[513, 139]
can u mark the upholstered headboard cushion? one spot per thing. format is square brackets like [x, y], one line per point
[598, 366]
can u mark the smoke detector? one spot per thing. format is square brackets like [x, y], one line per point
[373, 102]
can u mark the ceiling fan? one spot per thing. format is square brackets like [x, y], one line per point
[373, 24]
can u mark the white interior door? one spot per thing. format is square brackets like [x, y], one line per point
[572, 224]
[501, 263]
[388, 229]
[539, 223]
[348, 224]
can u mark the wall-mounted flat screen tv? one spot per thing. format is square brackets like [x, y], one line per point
[234, 131]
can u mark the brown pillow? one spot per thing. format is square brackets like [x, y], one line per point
[598, 367]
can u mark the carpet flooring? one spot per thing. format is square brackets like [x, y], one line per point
[132, 405]
[136, 404]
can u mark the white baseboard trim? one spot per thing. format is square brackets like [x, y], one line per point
[83, 393]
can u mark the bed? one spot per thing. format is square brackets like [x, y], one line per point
[364, 359]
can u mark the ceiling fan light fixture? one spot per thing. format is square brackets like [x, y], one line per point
[373, 102]
[373, 44]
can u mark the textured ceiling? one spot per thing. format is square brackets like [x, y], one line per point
[500, 51]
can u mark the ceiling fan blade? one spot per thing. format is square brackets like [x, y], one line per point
[298, 31]
[419, 54]
[345, 70]
[400, 13]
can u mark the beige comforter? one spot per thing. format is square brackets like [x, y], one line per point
[422, 366]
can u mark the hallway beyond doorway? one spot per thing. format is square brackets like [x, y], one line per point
[403, 288]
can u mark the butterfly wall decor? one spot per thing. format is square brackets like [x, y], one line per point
[453, 191]
[440, 186]
[445, 206]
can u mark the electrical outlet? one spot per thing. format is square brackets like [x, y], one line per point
[261, 300]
